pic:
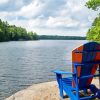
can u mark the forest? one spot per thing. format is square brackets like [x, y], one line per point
[14, 33]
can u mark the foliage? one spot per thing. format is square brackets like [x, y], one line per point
[94, 4]
[14, 33]
[33, 36]
[93, 33]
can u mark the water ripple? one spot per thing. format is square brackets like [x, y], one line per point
[26, 62]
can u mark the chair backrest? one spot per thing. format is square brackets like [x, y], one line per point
[87, 53]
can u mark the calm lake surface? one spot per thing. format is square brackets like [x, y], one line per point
[25, 63]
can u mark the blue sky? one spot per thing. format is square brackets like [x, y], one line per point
[49, 17]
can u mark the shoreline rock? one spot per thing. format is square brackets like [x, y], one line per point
[41, 91]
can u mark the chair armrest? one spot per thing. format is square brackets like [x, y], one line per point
[61, 72]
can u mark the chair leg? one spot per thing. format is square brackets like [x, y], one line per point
[61, 92]
[59, 80]
[85, 91]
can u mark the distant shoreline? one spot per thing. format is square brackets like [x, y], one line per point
[57, 37]
[52, 37]
[43, 39]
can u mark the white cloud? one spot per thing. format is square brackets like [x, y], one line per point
[61, 22]
[31, 10]
[3, 1]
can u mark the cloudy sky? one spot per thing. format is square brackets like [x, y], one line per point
[49, 17]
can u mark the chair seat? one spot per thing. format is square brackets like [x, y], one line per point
[68, 82]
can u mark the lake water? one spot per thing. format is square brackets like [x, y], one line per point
[24, 63]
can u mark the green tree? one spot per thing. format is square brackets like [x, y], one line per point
[94, 32]
[30, 35]
[14, 33]
[1, 31]
[94, 4]
[35, 36]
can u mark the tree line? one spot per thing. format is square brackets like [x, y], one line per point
[56, 37]
[14, 33]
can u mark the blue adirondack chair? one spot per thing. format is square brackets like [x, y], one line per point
[85, 62]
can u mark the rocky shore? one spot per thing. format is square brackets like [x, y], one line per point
[42, 91]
